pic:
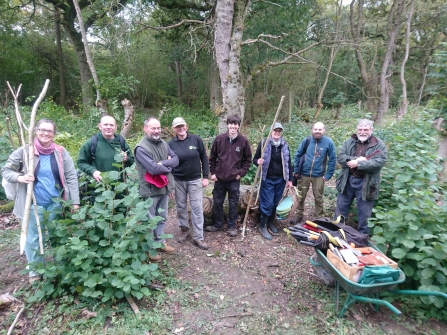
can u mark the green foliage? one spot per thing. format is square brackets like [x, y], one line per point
[411, 212]
[100, 251]
[439, 87]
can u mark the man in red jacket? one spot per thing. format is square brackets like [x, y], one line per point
[229, 161]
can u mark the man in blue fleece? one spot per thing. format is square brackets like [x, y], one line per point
[319, 152]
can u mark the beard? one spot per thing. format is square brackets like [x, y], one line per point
[363, 138]
[317, 136]
[155, 137]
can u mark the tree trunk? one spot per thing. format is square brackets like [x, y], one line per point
[214, 84]
[369, 78]
[178, 73]
[228, 39]
[289, 118]
[128, 118]
[440, 125]
[385, 84]
[403, 107]
[61, 68]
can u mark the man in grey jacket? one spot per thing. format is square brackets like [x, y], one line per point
[155, 161]
[362, 157]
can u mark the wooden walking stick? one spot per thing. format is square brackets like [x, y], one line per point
[259, 169]
[29, 163]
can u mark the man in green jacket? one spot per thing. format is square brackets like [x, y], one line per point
[362, 157]
[108, 144]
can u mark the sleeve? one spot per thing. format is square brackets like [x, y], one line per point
[130, 157]
[203, 158]
[257, 154]
[332, 161]
[213, 157]
[171, 162]
[298, 154]
[375, 163]
[145, 159]
[84, 161]
[343, 154]
[10, 169]
[246, 159]
[71, 178]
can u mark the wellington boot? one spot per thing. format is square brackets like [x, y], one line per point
[271, 226]
[263, 228]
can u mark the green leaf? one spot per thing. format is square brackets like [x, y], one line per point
[145, 291]
[120, 187]
[90, 283]
[398, 253]
[152, 267]
[109, 252]
[136, 265]
[103, 243]
[137, 295]
[117, 217]
[427, 273]
[430, 261]
[409, 244]
[75, 240]
[441, 278]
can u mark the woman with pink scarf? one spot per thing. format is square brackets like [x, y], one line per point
[54, 176]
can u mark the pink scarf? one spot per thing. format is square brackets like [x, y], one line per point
[38, 148]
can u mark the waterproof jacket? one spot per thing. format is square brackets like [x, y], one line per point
[105, 155]
[67, 176]
[316, 158]
[277, 162]
[228, 159]
[371, 167]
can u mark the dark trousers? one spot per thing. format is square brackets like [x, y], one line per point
[270, 195]
[353, 190]
[221, 188]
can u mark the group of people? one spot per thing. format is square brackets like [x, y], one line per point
[182, 167]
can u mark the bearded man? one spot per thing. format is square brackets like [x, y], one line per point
[362, 157]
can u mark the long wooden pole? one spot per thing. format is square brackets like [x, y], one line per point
[259, 169]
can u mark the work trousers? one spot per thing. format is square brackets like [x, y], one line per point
[270, 194]
[353, 189]
[159, 208]
[32, 249]
[318, 191]
[221, 188]
[192, 188]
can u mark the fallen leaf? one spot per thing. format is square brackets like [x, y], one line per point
[179, 330]
[88, 314]
[221, 297]
[357, 317]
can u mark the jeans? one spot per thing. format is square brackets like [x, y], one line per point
[159, 202]
[318, 191]
[353, 190]
[270, 195]
[192, 188]
[32, 249]
[219, 192]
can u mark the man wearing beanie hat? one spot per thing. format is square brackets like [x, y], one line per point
[230, 159]
[154, 156]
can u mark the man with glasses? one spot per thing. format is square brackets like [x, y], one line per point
[229, 161]
[318, 152]
[155, 161]
[97, 154]
[361, 157]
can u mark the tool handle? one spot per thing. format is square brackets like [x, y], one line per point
[313, 224]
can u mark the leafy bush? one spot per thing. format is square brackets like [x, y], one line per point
[411, 212]
[100, 251]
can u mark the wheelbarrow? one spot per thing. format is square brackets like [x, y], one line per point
[364, 293]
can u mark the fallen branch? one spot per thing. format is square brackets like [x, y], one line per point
[134, 306]
[15, 320]
[236, 315]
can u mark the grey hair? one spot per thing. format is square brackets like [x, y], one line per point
[149, 119]
[366, 122]
[45, 121]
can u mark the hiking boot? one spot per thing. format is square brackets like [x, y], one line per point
[34, 279]
[263, 228]
[184, 234]
[232, 232]
[201, 244]
[154, 259]
[213, 228]
[271, 226]
[166, 249]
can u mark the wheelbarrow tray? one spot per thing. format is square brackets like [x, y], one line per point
[351, 286]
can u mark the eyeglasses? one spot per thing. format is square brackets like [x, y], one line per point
[49, 132]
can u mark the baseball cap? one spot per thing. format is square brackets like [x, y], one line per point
[178, 121]
[278, 125]
[156, 180]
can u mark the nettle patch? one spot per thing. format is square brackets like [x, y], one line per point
[101, 251]
[411, 213]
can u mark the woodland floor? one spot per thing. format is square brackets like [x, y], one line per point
[239, 286]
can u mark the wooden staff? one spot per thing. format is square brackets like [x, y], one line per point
[259, 169]
[29, 163]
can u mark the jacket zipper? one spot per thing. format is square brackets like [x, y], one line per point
[313, 159]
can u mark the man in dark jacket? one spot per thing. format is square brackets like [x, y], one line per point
[230, 159]
[362, 157]
[155, 161]
[318, 151]
[107, 146]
